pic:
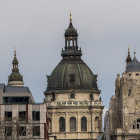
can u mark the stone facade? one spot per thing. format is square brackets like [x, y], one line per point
[123, 118]
[79, 107]
[73, 99]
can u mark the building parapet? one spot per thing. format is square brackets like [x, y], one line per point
[75, 103]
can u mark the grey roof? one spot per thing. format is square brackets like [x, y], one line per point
[14, 89]
[133, 66]
[2, 86]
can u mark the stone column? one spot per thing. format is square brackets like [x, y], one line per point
[67, 122]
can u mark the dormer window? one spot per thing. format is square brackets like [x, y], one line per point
[72, 95]
[137, 74]
[72, 77]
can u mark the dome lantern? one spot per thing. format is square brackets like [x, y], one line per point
[71, 41]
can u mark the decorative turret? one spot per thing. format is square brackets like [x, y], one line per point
[71, 41]
[15, 79]
[128, 59]
[134, 65]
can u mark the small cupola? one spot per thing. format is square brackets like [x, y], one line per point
[71, 42]
[15, 78]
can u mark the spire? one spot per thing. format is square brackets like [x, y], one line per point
[134, 52]
[128, 59]
[70, 17]
[15, 77]
[70, 24]
[15, 62]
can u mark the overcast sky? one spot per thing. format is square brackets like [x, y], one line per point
[36, 28]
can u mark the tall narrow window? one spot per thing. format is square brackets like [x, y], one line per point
[49, 120]
[72, 124]
[36, 115]
[8, 131]
[97, 128]
[61, 124]
[36, 130]
[22, 131]
[138, 123]
[83, 124]
[22, 116]
[8, 116]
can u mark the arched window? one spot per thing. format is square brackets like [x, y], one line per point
[138, 123]
[49, 120]
[72, 124]
[83, 124]
[97, 128]
[61, 124]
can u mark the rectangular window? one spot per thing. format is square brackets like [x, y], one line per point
[8, 116]
[36, 115]
[8, 131]
[22, 131]
[36, 130]
[22, 115]
[13, 100]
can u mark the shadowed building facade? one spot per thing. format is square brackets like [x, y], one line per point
[72, 95]
[122, 121]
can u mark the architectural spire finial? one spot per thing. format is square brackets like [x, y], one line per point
[15, 52]
[70, 17]
[128, 49]
[128, 59]
[134, 52]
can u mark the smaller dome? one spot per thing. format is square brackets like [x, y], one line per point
[71, 31]
[15, 76]
[133, 66]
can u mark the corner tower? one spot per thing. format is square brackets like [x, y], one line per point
[72, 96]
[15, 78]
[124, 111]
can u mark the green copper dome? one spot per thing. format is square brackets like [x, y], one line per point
[71, 73]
